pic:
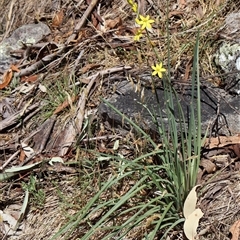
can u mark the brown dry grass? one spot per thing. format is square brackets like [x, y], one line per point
[65, 195]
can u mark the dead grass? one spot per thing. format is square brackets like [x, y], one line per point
[65, 194]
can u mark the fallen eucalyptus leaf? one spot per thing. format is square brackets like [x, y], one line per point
[55, 160]
[191, 224]
[190, 202]
[21, 168]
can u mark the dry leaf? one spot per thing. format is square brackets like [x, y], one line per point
[235, 230]
[14, 68]
[58, 19]
[29, 79]
[65, 104]
[222, 141]
[191, 224]
[209, 166]
[199, 12]
[182, 3]
[27, 150]
[236, 149]
[8, 222]
[113, 23]
[94, 21]
[7, 77]
[42, 88]
[26, 88]
[190, 202]
[46, 50]
[90, 66]
[22, 155]
[175, 13]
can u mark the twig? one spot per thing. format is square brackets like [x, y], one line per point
[77, 61]
[7, 122]
[9, 24]
[79, 3]
[40, 64]
[9, 160]
[82, 21]
[105, 72]
[29, 116]
[106, 137]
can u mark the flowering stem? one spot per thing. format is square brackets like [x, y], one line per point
[148, 37]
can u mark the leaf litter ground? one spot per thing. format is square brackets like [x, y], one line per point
[95, 55]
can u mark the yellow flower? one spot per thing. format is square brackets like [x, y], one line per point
[134, 7]
[158, 70]
[144, 22]
[138, 35]
[130, 2]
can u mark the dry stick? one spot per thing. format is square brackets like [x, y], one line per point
[40, 64]
[10, 17]
[7, 122]
[82, 21]
[82, 103]
[79, 3]
[77, 61]
[29, 116]
[75, 127]
[9, 160]
[105, 137]
[105, 72]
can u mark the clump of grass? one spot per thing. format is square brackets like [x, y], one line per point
[60, 89]
[37, 195]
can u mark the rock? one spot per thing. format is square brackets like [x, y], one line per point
[223, 120]
[228, 59]
[232, 26]
[26, 34]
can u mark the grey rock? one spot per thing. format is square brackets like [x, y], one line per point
[220, 111]
[26, 34]
[227, 59]
[232, 26]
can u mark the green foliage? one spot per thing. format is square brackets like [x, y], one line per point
[182, 139]
[37, 196]
[62, 88]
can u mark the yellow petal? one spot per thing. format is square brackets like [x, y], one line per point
[153, 67]
[160, 74]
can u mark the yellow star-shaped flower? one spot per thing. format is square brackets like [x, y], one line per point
[134, 7]
[138, 35]
[158, 70]
[144, 22]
